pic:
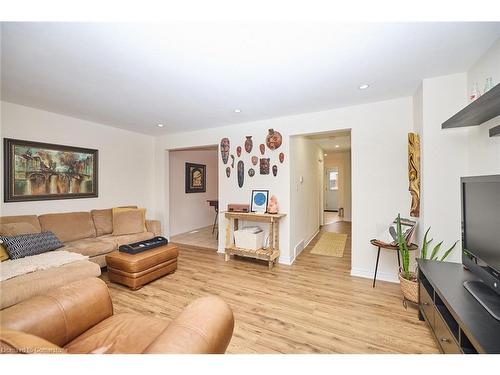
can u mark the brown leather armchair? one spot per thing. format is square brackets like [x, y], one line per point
[78, 318]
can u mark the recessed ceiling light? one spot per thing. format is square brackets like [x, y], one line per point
[160, 125]
[364, 86]
[326, 154]
[337, 146]
[237, 110]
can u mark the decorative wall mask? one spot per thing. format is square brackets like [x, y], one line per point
[282, 157]
[224, 149]
[255, 160]
[232, 161]
[414, 172]
[249, 144]
[274, 139]
[262, 148]
[251, 172]
[238, 151]
[241, 173]
[264, 166]
[228, 172]
[275, 170]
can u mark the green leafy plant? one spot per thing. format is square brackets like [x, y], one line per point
[435, 251]
[403, 249]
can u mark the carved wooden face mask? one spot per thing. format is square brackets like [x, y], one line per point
[224, 150]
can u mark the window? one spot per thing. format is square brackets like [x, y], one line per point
[333, 178]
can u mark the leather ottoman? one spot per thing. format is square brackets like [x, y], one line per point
[136, 270]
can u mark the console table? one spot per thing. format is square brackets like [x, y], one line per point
[270, 254]
[457, 320]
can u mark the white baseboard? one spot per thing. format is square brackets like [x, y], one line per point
[312, 238]
[383, 276]
[296, 254]
[286, 260]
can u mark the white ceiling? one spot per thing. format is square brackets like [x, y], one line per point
[193, 75]
[332, 141]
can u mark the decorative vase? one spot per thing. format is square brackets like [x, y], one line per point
[255, 160]
[409, 288]
[249, 144]
[238, 151]
[228, 172]
[224, 149]
[282, 157]
[241, 173]
[274, 139]
[273, 206]
[262, 148]
[275, 170]
[251, 172]
[232, 161]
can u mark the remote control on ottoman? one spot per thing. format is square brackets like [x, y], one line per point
[137, 269]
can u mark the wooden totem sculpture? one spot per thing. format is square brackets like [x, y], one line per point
[414, 172]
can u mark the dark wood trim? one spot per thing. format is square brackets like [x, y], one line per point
[8, 143]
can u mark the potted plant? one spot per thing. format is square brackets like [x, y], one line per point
[407, 278]
[435, 252]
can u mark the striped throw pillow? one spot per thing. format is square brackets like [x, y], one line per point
[25, 245]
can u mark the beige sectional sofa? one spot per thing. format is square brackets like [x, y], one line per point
[87, 233]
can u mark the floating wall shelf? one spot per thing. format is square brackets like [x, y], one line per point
[479, 111]
[495, 132]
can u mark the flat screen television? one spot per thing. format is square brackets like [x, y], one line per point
[481, 238]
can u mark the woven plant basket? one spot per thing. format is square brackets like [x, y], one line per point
[409, 287]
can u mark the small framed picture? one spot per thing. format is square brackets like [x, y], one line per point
[196, 178]
[259, 201]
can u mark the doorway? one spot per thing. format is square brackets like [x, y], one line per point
[330, 187]
[193, 197]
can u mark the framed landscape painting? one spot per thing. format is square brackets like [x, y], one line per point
[196, 178]
[40, 171]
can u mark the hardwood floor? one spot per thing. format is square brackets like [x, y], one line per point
[331, 217]
[313, 306]
[201, 238]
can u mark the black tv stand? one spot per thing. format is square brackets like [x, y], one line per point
[459, 323]
[485, 296]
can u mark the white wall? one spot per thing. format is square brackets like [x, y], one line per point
[487, 66]
[229, 192]
[450, 154]
[305, 191]
[483, 152]
[125, 159]
[379, 154]
[191, 210]
[418, 127]
[341, 160]
[444, 159]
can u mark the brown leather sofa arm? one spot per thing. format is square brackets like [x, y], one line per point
[204, 327]
[14, 342]
[154, 226]
[63, 314]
